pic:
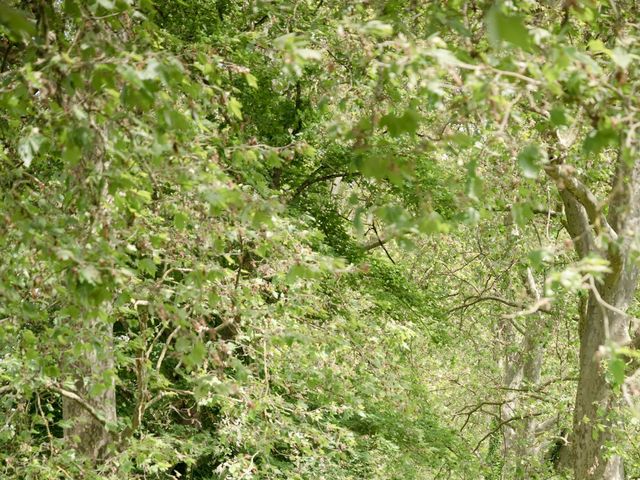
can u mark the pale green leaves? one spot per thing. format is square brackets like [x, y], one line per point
[296, 53]
[16, 22]
[522, 213]
[146, 265]
[558, 117]
[619, 356]
[617, 367]
[197, 354]
[579, 275]
[376, 28]
[530, 160]
[235, 108]
[29, 146]
[89, 274]
[408, 122]
[252, 81]
[506, 27]
[474, 186]
[180, 220]
[621, 57]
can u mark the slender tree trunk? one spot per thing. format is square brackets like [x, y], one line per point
[522, 369]
[95, 371]
[512, 379]
[96, 386]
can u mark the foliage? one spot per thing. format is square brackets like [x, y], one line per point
[307, 240]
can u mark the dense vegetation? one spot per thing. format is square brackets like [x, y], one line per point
[319, 239]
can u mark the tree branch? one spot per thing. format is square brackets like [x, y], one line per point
[375, 230]
[593, 209]
[484, 299]
[81, 401]
[313, 180]
[502, 424]
[379, 242]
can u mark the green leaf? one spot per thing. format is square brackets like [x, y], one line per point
[235, 108]
[377, 28]
[29, 146]
[529, 160]
[297, 271]
[508, 28]
[522, 213]
[107, 4]
[616, 369]
[406, 123]
[29, 337]
[71, 8]
[146, 265]
[474, 182]
[251, 80]
[180, 220]
[376, 166]
[539, 258]
[621, 57]
[599, 139]
[89, 274]
[17, 22]
[197, 354]
[559, 117]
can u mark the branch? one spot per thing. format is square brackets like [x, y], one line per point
[542, 305]
[577, 224]
[502, 424]
[6, 388]
[562, 175]
[535, 210]
[81, 401]
[379, 242]
[475, 409]
[484, 299]
[166, 347]
[313, 180]
[375, 230]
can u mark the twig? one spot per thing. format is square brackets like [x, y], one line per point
[543, 305]
[166, 346]
[375, 230]
[310, 181]
[502, 424]
[46, 422]
[484, 299]
[81, 401]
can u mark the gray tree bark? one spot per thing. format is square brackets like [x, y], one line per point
[90, 414]
[603, 321]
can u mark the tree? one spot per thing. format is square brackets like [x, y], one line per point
[370, 239]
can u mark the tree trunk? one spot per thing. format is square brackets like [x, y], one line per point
[95, 385]
[522, 369]
[603, 323]
[595, 398]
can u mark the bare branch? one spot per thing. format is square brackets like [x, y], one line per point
[81, 401]
[375, 230]
[166, 347]
[476, 300]
[313, 180]
[379, 242]
[502, 424]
